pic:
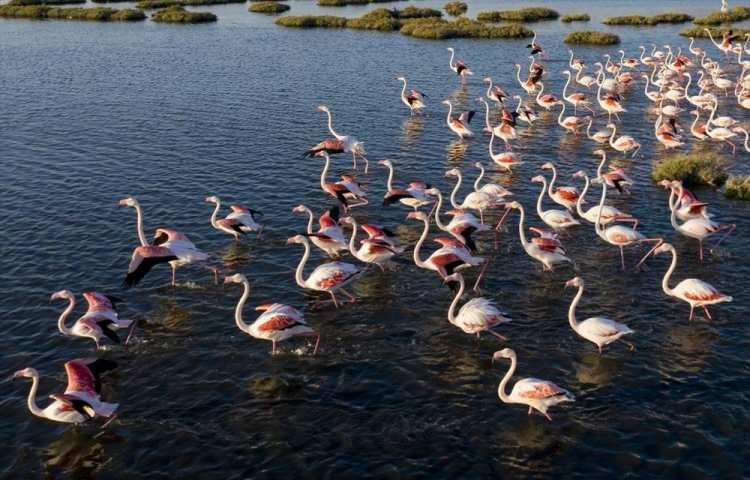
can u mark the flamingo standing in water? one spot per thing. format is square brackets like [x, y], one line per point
[696, 293]
[101, 317]
[557, 219]
[82, 400]
[610, 103]
[329, 277]
[537, 394]
[575, 99]
[726, 42]
[545, 101]
[600, 331]
[506, 160]
[414, 196]
[608, 215]
[413, 99]
[479, 201]
[615, 178]
[169, 246]
[684, 202]
[602, 136]
[329, 237]
[459, 67]
[349, 144]
[240, 221]
[462, 225]
[477, 315]
[570, 123]
[344, 190]
[624, 143]
[523, 112]
[497, 192]
[372, 250]
[540, 249]
[460, 125]
[277, 323]
[494, 92]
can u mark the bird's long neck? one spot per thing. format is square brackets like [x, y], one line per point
[579, 202]
[244, 326]
[324, 172]
[450, 112]
[439, 205]
[565, 88]
[31, 401]
[612, 137]
[390, 177]
[518, 74]
[599, 89]
[601, 166]
[643, 52]
[559, 117]
[489, 87]
[541, 197]
[673, 214]
[64, 315]
[301, 267]
[712, 38]
[695, 122]
[452, 309]
[645, 89]
[520, 102]
[450, 61]
[501, 388]
[492, 141]
[687, 85]
[417, 261]
[309, 220]
[330, 125]
[521, 233]
[541, 89]
[588, 129]
[599, 227]
[353, 240]
[668, 274]
[672, 202]
[215, 214]
[578, 74]
[454, 202]
[713, 112]
[487, 115]
[139, 225]
[479, 178]
[572, 310]
[403, 89]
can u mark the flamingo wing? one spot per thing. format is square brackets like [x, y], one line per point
[143, 260]
[699, 291]
[84, 375]
[465, 117]
[533, 388]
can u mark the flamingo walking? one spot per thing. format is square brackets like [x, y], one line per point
[413, 99]
[414, 196]
[330, 236]
[344, 190]
[608, 214]
[101, 318]
[349, 144]
[372, 250]
[540, 249]
[556, 219]
[459, 125]
[477, 200]
[562, 195]
[623, 143]
[477, 315]
[505, 160]
[462, 225]
[459, 67]
[239, 222]
[700, 228]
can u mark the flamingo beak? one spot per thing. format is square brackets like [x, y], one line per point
[570, 283]
[18, 374]
[228, 280]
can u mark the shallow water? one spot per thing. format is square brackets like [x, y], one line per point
[94, 112]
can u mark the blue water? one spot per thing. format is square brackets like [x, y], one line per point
[92, 112]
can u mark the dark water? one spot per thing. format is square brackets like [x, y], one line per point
[94, 112]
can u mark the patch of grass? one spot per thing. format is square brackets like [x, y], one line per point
[101, 14]
[640, 20]
[344, 3]
[438, 29]
[178, 14]
[154, 4]
[592, 37]
[416, 12]
[455, 9]
[530, 14]
[700, 32]
[736, 14]
[738, 187]
[268, 7]
[379, 19]
[311, 21]
[575, 17]
[694, 169]
[43, 2]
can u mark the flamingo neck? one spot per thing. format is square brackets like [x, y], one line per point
[673, 214]
[479, 178]
[309, 220]
[487, 115]
[301, 267]
[403, 89]
[452, 309]
[565, 88]
[572, 310]
[501, 388]
[540, 198]
[240, 305]
[330, 125]
[579, 202]
[139, 225]
[353, 239]
[559, 119]
[489, 88]
[541, 89]
[668, 274]
[601, 166]
[492, 141]
[64, 315]
[439, 205]
[450, 112]
[521, 233]
[588, 130]
[215, 214]
[518, 74]
[612, 136]
[454, 202]
[324, 172]
[520, 102]
[450, 61]
[417, 261]
[599, 227]
[390, 177]
[31, 401]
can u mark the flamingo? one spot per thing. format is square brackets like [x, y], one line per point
[524, 112]
[698, 131]
[349, 143]
[445, 260]
[101, 317]
[329, 277]
[697, 51]
[600, 331]
[372, 250]
[624, 143]
[545, 101]
[413, 99]
[330, 237]
[700, 228]
[742, 130]
[459, 68]
[494, 92]
[696, 293]
[721, 134]
[609, 103]
[602, 136]
[462, 225]
[344, 190]
[534, 46]
[627, 62]
[556, 219]
[477, 315]
[575, 63]
[460, 125]
[570, 123]
[240, 221]
[666, 135]
[651, 95]
[540, 249]
[587, 80]
[609, 214]
[376, 232]
[498, 192]
[477, 200]
[615, 178]
[277, 323]
[575, 99]
[528, 85]
[724, 6]
[414, 196]
[506, 160]
[82, 400]
[725, 45]
[723, 121]
[689, 205]
[537, 394]
[562, 195]
[621, 236]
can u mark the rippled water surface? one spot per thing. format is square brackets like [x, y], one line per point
[92, 112]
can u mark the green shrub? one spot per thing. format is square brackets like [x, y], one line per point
[93, 14]
[672, 17]
[312, 21]
[694, 169]
[531, 14]
[438, 29]
[669, 17]
[178, 14]
[378, 19]
[44, 2]
[344, 3]
[592, 37]
[736, 14]
[575, 17]
[268, 7]
[700, 32]
[415, 12]
[24, 11]
[455, 9]
[738, 187]
[154, 4]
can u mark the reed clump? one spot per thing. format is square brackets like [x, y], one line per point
[437, 29]
[268, 7]
[696, 169]
[100, 14]
[311, 21]
[178, 14]
[716, 32]
[344, 3]
[735, 14]
[455, 9]
[530, 14]
[738, 187]
[592, 37]
[43, 2]
[641, 20]
[575, 17]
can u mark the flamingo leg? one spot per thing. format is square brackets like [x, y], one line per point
[367, 164]
[130, 331]
[630, 345]
[333, 297]
[657, 243]
[501, 337]
[600, 349]
[548, 417]
[730, 227]
[692, 312]
[529, 412]
[354, 161]
[352, 298]
[622, 259]
[174, 268]
[481, 274]
[273, 347]
[260, 232]
[109, 420]
[705, 309]
[700, 250]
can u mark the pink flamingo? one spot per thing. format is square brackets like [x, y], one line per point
[477, 315]
[101, 317]
[330, 236]
[239, 222]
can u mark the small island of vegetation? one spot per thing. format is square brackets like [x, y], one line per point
[641, 20]
[178, 14]
[268, 7]
[738, 187]
[344, 3]
[716, 32]
[455, 9]
[18, 3]
[592, 37]
[575, 17]
[530, 14]
[736, 14]
[100, 14]
[696, 169]
[154, 4]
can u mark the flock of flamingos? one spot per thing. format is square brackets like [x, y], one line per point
[672, 79]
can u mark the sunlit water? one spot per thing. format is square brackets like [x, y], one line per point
[92, 112]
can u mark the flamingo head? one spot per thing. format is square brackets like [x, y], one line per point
[663, 248]
[26, 372]
[504, 353]
[599, 151]
[128, 202]
[611, 126]
[62, 294]
[456, 277]
[547, 166]
[537, 179]
[453, 172]
[299, 209]
[432, 191]
[403, 79]
[666, 183]
[514, 204]
[347, 220]
[450, 49]
[296, 239]
[566, 72]
[323, 108]
[579, 174]
[487, 79]
[417, 216]
[212, 199]
[385, 163]
[454, 211]
[236, 278]
[447, 102]
[576, 282]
